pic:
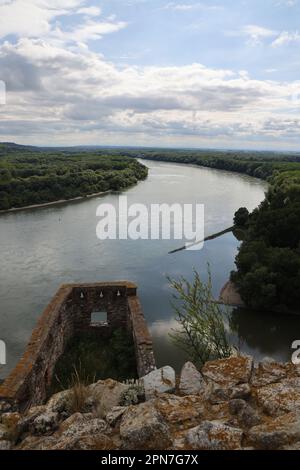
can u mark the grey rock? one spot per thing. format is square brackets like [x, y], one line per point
[284, 430]
[159, 381]
[143, 427]
[191, 381]
[45, 422]
[59, 402]
[229, 372]
[279, 398]
[26, 422]
[81, 425]
[106, 395]
[4, 433]
[115, 414]
[214, 435]
[246, 415]
[268, 372]
[5, 445]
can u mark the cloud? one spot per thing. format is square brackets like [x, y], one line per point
[61, 92]
[78, 96]
[15, 19]
[182, 7]
[286, 38]
[255, 34]
[90, 11]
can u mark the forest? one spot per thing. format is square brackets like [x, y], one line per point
[31, 176]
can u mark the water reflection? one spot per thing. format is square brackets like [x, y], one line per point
[266, 334]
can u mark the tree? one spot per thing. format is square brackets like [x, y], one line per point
[241, 217]
[202, 322]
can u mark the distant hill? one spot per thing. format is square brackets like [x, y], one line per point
[11, 147]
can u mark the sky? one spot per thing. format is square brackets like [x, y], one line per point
[182, 73]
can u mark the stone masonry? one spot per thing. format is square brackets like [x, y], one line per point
[70, 312]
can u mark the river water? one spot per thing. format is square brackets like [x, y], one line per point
[43, 248]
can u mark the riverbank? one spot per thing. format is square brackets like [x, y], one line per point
[230, 296]
[55, 203]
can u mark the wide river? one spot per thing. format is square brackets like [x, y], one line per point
[43, 248]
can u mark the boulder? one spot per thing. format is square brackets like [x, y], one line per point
[228, 378]
[247, 417]
[92, 442]
[143, 427]
[27, 420]
[191, 381]
[268, 372]
[106, 395]
[284, 430]
[46, 422]
[80, 425]
[159, 381]
[279, 398]
[214, 435]
[11, 420]
[229, 372]
[180, 411]
[37, 443]
[5, 445]
[59, 402]
[115, 414]
[4, 433]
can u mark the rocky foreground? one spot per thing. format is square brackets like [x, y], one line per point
[231, 405]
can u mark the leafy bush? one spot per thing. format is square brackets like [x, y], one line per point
[202, 322]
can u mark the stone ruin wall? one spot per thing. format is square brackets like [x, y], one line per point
[70, 312]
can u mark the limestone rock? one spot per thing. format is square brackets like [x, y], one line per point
[5, 445]
[92, 442]
[214, 435]
[180, 411]
[280, 398]
[281, 431]
[59, 402]
[107, 394]
[4, 433]
[159, 381]
[37, 443]
[27, 420]
[45, 422]
[115, 414]
[10, 420]
[268, 372]
[5, 407]
[247, 417]
[229, 372]
[83, 425]
[143, 427]
[191, 381]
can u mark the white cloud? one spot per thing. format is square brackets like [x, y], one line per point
[60, 92]
[35, 19]
[90, 30]
[77, 94]
[255, 34]
[90, 11]
[285, 38]
[181, 7]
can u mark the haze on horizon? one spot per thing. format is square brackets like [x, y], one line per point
[157, 73]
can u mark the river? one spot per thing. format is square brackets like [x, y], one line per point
[43, 248]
